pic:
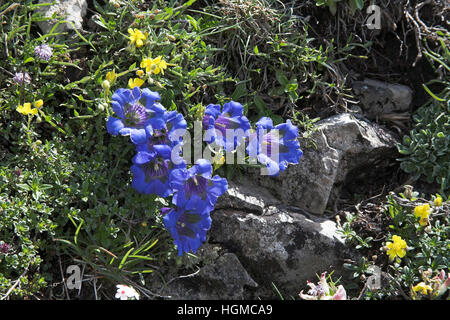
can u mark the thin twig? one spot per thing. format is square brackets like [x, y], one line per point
[63, 279]
[15, 285]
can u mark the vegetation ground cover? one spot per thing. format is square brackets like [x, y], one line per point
[65, 193]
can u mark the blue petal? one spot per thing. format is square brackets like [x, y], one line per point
[125, 131]
[234, 109]
[163, 150]
[150, 97]
[265, 123]
[177, 178]
[287, 130]
[122, 96]
[138, 182]
[273, 168]
[138, 136]
[136, 93]
[118, 109]
[213, 110]
[204, 168]
[114, 125]
[143, 157]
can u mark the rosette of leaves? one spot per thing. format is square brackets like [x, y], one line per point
[426, 149]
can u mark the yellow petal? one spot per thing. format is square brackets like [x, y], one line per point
[163, 64]
[140, 73]
[39, 103]
[145, 63]
[20, 109]
[136, 82]
[418, 211]
[438, 201]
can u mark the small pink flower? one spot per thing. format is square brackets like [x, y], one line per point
[340, 294]
[124, 292]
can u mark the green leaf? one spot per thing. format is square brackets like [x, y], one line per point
[193, 22]
[240, 91]
[260, 105]
[24, 186]
[281, 77]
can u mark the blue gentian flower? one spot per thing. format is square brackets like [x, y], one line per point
[170, 133]
[216, 122]
[276, 146]
[196, 184]
[151, 171]
[188, 225]
[136, 113]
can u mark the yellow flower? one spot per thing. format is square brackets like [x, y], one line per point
[111, 76]
[140, 73]
[422, 212]
[438, 201]
[397, 248]
[137, 37]
[154, 66]
[422, 287]
[136, 82]
[39, 103]
[423, 221]
[144, 224]
[26, 108]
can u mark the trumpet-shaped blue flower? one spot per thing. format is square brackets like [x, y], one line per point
[151, 171]
[188, 224]
[230, 119]
[170, 133]
[197, 184]
[136, 113]
[276, 146]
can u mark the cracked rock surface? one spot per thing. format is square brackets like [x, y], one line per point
[73, 10]
[284, 248]
[380, 98]
[344, 143]
[223, 277]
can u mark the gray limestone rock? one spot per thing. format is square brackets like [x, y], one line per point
[73, 11]
[344, 143]
[378, 98]
[223, 278]
[284, 248]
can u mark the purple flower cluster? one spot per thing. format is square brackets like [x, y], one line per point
[21, 78]
[159, 169]
[4, 247]
[43, 51]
